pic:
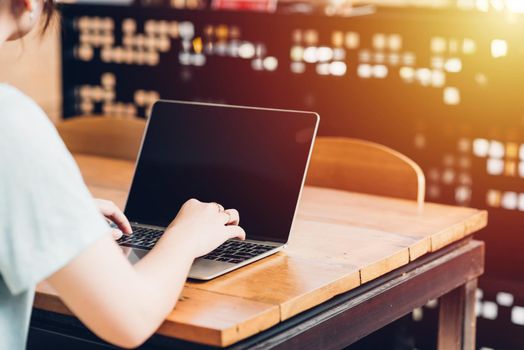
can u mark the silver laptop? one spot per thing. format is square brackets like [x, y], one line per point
[250, 159]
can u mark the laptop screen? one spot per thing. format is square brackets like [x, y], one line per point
[249, 159]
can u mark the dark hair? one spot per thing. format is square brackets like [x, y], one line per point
[47, 13]
[17, 9]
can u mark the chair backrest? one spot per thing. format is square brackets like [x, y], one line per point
[103, 136]
[366, 167]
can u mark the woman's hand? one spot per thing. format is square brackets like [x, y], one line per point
[205, 226]
[113, 213]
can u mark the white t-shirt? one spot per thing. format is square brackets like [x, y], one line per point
[47, 215]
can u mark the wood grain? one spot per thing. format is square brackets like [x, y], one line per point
[294, 283]
[457, 318]
[103, 136]
[199, 316]
[366, 167]
[432, 227]
[106, 173]
[339, 240]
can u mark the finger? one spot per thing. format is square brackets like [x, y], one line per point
[225, 217]
[120, 220]
[236, 232]
[234, 217]
[117, 234]
[218, 206]
[192, 201]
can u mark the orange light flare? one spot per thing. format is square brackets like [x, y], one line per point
[197, 45]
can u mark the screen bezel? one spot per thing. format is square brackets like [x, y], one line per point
[174, 103]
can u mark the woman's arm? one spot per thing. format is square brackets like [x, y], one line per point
[125, 304]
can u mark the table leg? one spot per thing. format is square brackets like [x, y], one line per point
[457, 318]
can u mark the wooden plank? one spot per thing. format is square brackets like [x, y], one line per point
[200, 316]
[106, 172]
[215, 319]
[295, 284]
[375, 252]
[451, 319]
[457, 319]
[434, 226]
[470, 316]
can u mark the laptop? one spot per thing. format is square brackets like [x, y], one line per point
[250, 159]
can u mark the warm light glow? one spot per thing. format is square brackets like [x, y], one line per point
[495, 166]
[469, 46]
[453, 65]
[337, 68]
[407, 73]
[379, 41]
[481, 147]
[438, 79]
[246, 50]
[337, 39]
[323, 69]
[438, 45]
[517, 315]
[339, 54]
[380, 71]
[352, 40]
[311, 37]
[515, 5]
[496, 149]
[499, 48]
[270, 63]
[395, 42]
[324, 54]
[424, 76]
[451, 96]
[483, 5]
[509, 200]
[297, 52]
[298, 67]
[197, 45]
[364, 71]
[493, 198]
[364, 56]
[409, 59]
[310, 54]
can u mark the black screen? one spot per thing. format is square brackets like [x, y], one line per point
[249, 159]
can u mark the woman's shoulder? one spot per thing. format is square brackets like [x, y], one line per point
[15, 101]
[17, 110]
[24, 123]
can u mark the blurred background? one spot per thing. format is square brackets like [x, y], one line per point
[439, 80]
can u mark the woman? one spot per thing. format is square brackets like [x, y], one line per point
[52, 230]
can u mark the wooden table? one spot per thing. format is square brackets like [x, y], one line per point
[354, 263]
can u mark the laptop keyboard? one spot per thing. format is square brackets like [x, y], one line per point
[142, 238]
[232, 251]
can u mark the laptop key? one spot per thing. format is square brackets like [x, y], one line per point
[243, 255]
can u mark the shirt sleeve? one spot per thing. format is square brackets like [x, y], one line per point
[47, 215]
